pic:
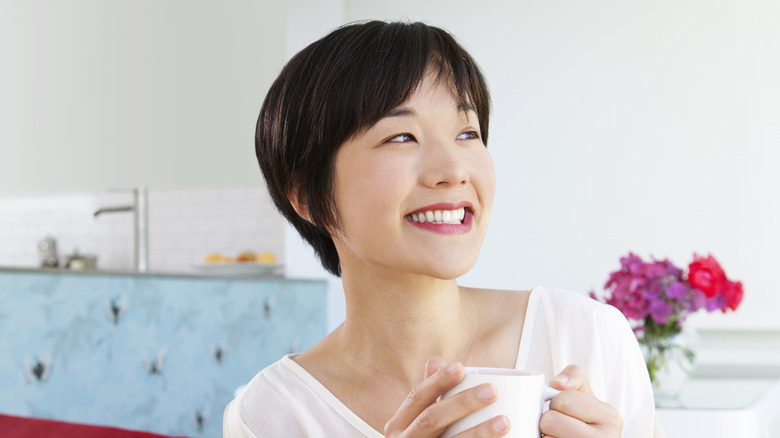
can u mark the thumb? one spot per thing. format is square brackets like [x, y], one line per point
[573, 377]
[434, 364]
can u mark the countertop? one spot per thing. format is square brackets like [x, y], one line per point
[211, 272]
[724, 407]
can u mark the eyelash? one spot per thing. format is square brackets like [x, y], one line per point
[473, 135]
[392, 139]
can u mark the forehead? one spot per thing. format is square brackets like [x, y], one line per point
[431, 91]
[391, 91]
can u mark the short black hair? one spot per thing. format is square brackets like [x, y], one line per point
[338, 87]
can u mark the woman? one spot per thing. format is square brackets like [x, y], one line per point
[372, 143]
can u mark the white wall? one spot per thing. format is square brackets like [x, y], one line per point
[618, 124]
[184, 227]
[117, 93]
[625, 126]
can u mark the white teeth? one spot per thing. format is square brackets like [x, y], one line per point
[439, 216]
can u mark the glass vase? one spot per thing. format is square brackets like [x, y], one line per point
[670, 359]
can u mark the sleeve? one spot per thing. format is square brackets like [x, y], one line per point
[626, 383]
[232, 425]
[570, 328]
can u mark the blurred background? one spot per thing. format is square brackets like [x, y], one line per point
[617, 126]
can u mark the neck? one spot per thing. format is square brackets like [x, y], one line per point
[394, 324]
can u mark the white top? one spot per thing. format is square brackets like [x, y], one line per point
[560, 328]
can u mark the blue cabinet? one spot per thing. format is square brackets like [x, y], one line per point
[147, 352]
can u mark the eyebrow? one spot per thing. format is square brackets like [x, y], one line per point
[406, 112]
[400, 112]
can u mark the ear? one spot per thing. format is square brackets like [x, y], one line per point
[300, 207]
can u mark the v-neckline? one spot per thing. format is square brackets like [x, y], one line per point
[361, 425]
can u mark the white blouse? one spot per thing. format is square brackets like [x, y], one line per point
[560, 328]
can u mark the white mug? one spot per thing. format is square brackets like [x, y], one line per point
[521, 398]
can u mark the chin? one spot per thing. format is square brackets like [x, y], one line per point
[446, 271]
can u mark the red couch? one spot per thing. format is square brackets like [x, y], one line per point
[21, 427]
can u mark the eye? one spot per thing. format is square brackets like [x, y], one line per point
[469, 135]
[401, 138]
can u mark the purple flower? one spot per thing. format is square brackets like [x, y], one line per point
[660, 294]
[717, 302]
[697, 300]
[633, 264]
[660, 311]
[677, 290]
[655, 270]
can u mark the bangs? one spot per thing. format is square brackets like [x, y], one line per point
[388, 61]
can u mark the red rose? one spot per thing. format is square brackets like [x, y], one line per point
[733, 293]
[706, 275]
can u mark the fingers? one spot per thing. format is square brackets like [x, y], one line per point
[559, 425]
[576, 412]
[437, 417]
[584, 407]
[433, 365]
[425, 394]
[572, 377]
[495, 427]
[421, 415]
[604, 421]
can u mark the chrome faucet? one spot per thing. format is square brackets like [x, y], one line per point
[140, 226]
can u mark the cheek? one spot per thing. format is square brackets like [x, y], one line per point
[366, 194]
[484, 177]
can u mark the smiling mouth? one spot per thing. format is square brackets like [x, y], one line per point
[435, 217]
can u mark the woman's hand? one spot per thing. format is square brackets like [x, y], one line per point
[421, 415]
[576, 412]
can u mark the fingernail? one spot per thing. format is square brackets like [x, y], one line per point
[486, 392]
[453, 368]
[500, 424]
[561, 378]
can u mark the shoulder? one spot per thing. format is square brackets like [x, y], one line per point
[579, 329]
[563, 305]
[275, 389]
[560, 299]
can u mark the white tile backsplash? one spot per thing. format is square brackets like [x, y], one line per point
[184, 227]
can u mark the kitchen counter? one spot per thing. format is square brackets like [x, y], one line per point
[205, 273]
[154, 351]
[725, 407]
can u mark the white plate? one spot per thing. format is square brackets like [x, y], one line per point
[239, 268]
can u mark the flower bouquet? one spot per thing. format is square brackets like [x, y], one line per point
[658, 296]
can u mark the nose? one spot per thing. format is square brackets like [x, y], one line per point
[443, 164]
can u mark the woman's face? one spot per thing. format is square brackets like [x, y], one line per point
[415, 191]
